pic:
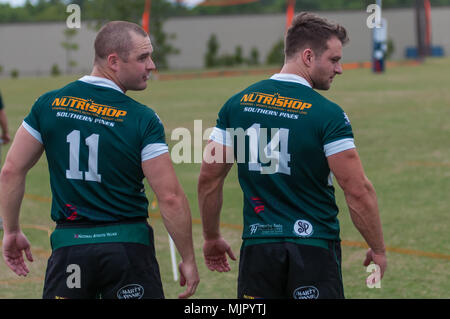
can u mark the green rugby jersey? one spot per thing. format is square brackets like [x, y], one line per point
[282, 132]
[95, 139]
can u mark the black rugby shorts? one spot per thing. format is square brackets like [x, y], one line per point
[287, 270]
[115, 270]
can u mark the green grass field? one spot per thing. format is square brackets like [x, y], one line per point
[401, 121]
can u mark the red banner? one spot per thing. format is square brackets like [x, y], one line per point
[290, 13]
[146, 16]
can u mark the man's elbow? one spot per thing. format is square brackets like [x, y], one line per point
[358, 190]
[9, 172]
[172, 201]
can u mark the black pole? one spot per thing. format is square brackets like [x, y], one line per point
[420, 29]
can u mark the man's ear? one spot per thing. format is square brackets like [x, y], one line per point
[113, 61]
[307, 57]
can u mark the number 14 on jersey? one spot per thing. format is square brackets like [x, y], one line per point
[275, 152]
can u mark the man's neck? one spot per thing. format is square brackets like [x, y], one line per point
[294, 68]
[102, 73]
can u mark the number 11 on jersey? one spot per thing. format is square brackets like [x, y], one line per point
[73, 138]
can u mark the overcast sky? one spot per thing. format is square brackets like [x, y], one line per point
[13, 3]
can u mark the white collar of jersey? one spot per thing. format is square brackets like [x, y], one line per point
[96, 80]
[289, 77]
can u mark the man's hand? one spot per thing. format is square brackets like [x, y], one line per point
[13, 246]
[188, 277]
[5, 138]
[378, 259]
[215, 253]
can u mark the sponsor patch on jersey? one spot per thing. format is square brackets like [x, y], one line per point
[88, 107]
[266, 229]
[275, 101]
[303, 228]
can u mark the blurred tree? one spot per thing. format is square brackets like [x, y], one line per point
[212, 50]
[69, 45]
[254, 57]
[276, 54]
[238, 58]
[54, 70]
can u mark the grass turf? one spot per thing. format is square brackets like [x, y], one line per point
[401, 125]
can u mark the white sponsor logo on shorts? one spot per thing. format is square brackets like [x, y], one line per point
[306, 292]
[132, 291]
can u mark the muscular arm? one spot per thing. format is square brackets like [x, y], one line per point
[210, 192]
[362, 202]
[176, 215]
[23, 154]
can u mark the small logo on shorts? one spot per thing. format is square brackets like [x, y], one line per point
[133, 291]
[303, 228]
[307, 292]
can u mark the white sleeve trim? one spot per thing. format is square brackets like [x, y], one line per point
[32, 131]
[339, 146]
[221, 136]
[153, 150]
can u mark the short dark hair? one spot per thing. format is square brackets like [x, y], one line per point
[311, 30]
[114, 37]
